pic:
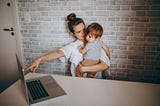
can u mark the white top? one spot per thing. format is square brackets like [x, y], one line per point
[73, 55]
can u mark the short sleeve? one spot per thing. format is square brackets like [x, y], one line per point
[71, 53]
[67, 50]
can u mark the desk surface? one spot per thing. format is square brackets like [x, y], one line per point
[90, 92]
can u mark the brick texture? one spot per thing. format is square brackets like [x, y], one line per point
[131, 30]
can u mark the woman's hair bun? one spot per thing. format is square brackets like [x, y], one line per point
[71, 16]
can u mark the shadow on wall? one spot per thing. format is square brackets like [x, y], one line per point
[136, 49]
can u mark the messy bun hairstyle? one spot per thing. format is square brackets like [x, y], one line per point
[73, 21]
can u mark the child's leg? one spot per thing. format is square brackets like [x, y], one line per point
[78, 73]
[90, 75]
[87, 62]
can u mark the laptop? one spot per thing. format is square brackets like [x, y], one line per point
[40, 88]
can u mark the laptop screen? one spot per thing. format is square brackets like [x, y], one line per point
[21, 77]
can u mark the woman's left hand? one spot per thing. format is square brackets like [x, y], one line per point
[78, 71]
[80, 68]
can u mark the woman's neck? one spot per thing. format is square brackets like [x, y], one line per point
[84, 42]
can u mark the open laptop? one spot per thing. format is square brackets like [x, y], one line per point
[40, 88]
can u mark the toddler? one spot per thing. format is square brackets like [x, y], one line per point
[92, 49]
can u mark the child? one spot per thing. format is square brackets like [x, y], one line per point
[92, 50]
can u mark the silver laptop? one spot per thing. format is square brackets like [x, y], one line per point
[40, 88]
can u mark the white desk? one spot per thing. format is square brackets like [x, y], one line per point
[90, 92]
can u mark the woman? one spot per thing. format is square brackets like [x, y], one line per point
[70, 52]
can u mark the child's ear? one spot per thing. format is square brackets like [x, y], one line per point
[98, 38]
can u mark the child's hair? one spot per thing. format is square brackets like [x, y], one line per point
[95, 29]
[73, 21]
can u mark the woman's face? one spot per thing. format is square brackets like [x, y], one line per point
[79, 31]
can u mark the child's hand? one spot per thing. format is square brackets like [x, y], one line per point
[80, 48]
[78, 73]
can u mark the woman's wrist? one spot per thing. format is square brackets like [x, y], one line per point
[39, 59]
[83, 69]
[42, 58]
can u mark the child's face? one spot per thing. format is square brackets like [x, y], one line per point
[90, 38]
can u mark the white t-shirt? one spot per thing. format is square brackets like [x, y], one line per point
[73, 55]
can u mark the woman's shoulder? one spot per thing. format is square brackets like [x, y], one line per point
[76, 43]
[73, 44]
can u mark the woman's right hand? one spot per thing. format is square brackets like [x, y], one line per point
[34, 65]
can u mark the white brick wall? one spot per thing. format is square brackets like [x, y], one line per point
[130, 27]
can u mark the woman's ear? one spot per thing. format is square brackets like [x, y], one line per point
[70, 33]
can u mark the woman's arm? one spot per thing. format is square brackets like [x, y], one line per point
[94, 68]
[49, 56]
[103, 65]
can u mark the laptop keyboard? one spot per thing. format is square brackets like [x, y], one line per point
[36, 89]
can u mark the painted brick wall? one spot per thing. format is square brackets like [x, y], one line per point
[131, 30]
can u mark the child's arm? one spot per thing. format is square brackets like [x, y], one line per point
[82, 49]
[106, 49]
